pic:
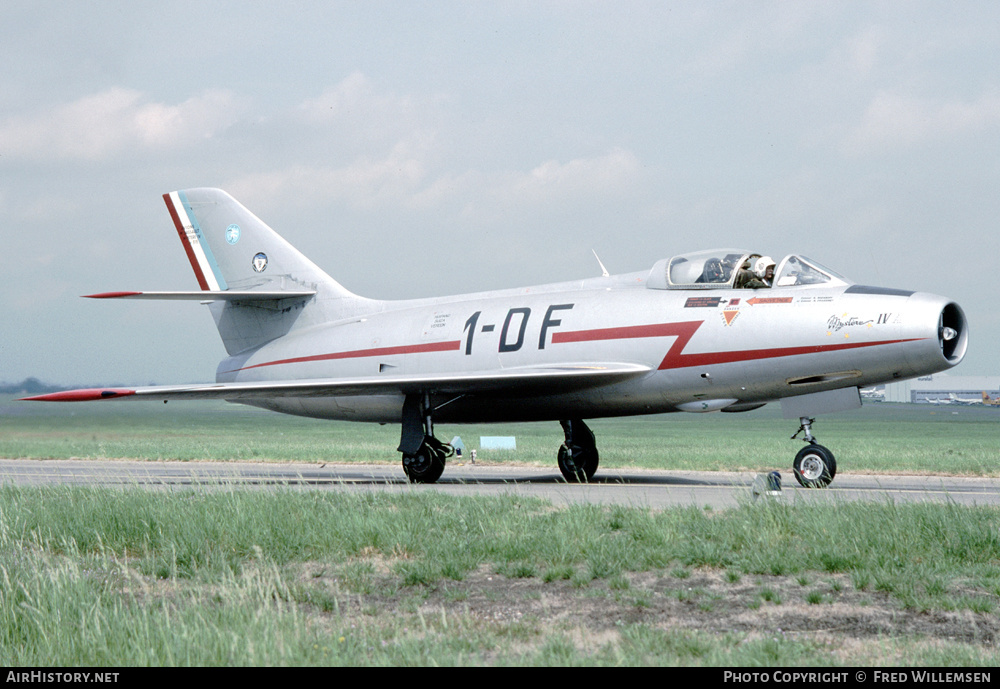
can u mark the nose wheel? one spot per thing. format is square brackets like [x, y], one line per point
[814, 465]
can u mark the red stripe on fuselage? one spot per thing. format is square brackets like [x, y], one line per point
[362, 353]
[677, 360]
[684, 331]
[202, 282]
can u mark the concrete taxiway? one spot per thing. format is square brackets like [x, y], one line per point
[631, 487]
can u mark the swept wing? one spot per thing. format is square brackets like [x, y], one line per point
[208, 295]
[550, 379]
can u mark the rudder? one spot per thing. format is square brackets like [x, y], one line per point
[230, 248]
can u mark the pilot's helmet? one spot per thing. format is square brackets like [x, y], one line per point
[761, 265]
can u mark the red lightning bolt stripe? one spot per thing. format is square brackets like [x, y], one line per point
[677, 360]
[684, 331]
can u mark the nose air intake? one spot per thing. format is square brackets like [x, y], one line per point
[953, 333]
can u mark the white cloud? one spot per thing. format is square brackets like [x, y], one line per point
[568, 185]
[355, 112]
[405, 179]
[353, 96]
[614, 170]
[362, 183]
[894, 121]
[101, 125]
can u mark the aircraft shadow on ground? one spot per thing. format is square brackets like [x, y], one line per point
[325, 479]
[552, 479]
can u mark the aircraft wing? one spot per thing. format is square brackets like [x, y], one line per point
[207, 295]
[540, 379]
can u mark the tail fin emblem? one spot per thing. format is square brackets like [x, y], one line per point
[233, 234]
[260, 262]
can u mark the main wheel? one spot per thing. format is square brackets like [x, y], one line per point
[814, 466]
[578, 467]
[426, 466]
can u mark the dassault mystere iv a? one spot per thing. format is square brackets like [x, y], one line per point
[724, 330]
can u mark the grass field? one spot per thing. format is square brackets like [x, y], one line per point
[111, 577]
[238, 577]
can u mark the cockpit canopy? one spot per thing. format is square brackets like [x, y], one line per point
[733, 269]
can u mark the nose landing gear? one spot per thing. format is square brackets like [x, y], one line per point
[814, 465]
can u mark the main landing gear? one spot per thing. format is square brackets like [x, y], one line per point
[814, 465]
[578, 457]
[423, 455]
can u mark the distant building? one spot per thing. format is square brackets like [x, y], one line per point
[941, 388]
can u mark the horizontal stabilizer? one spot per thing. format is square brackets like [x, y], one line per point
[547, 379]
[207, 295]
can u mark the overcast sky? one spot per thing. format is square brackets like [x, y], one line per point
[429, 148]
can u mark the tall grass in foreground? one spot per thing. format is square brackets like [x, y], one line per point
[104, 576]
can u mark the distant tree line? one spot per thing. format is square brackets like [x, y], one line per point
[29, 386]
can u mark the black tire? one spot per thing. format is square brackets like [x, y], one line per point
[814, 466]
[426, 466]
[579, 466]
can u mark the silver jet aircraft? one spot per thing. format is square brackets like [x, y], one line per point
[699, 332]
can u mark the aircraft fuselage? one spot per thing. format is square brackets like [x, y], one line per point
[706, 350]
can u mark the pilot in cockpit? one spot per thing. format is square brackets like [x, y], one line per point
[758, 275]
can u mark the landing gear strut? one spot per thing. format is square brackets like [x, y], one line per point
[578, 457]
[814, 465]
[423, 455]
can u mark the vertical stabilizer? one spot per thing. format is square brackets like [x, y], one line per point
[230, 248]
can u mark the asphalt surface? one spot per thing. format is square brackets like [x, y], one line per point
[631, 487]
